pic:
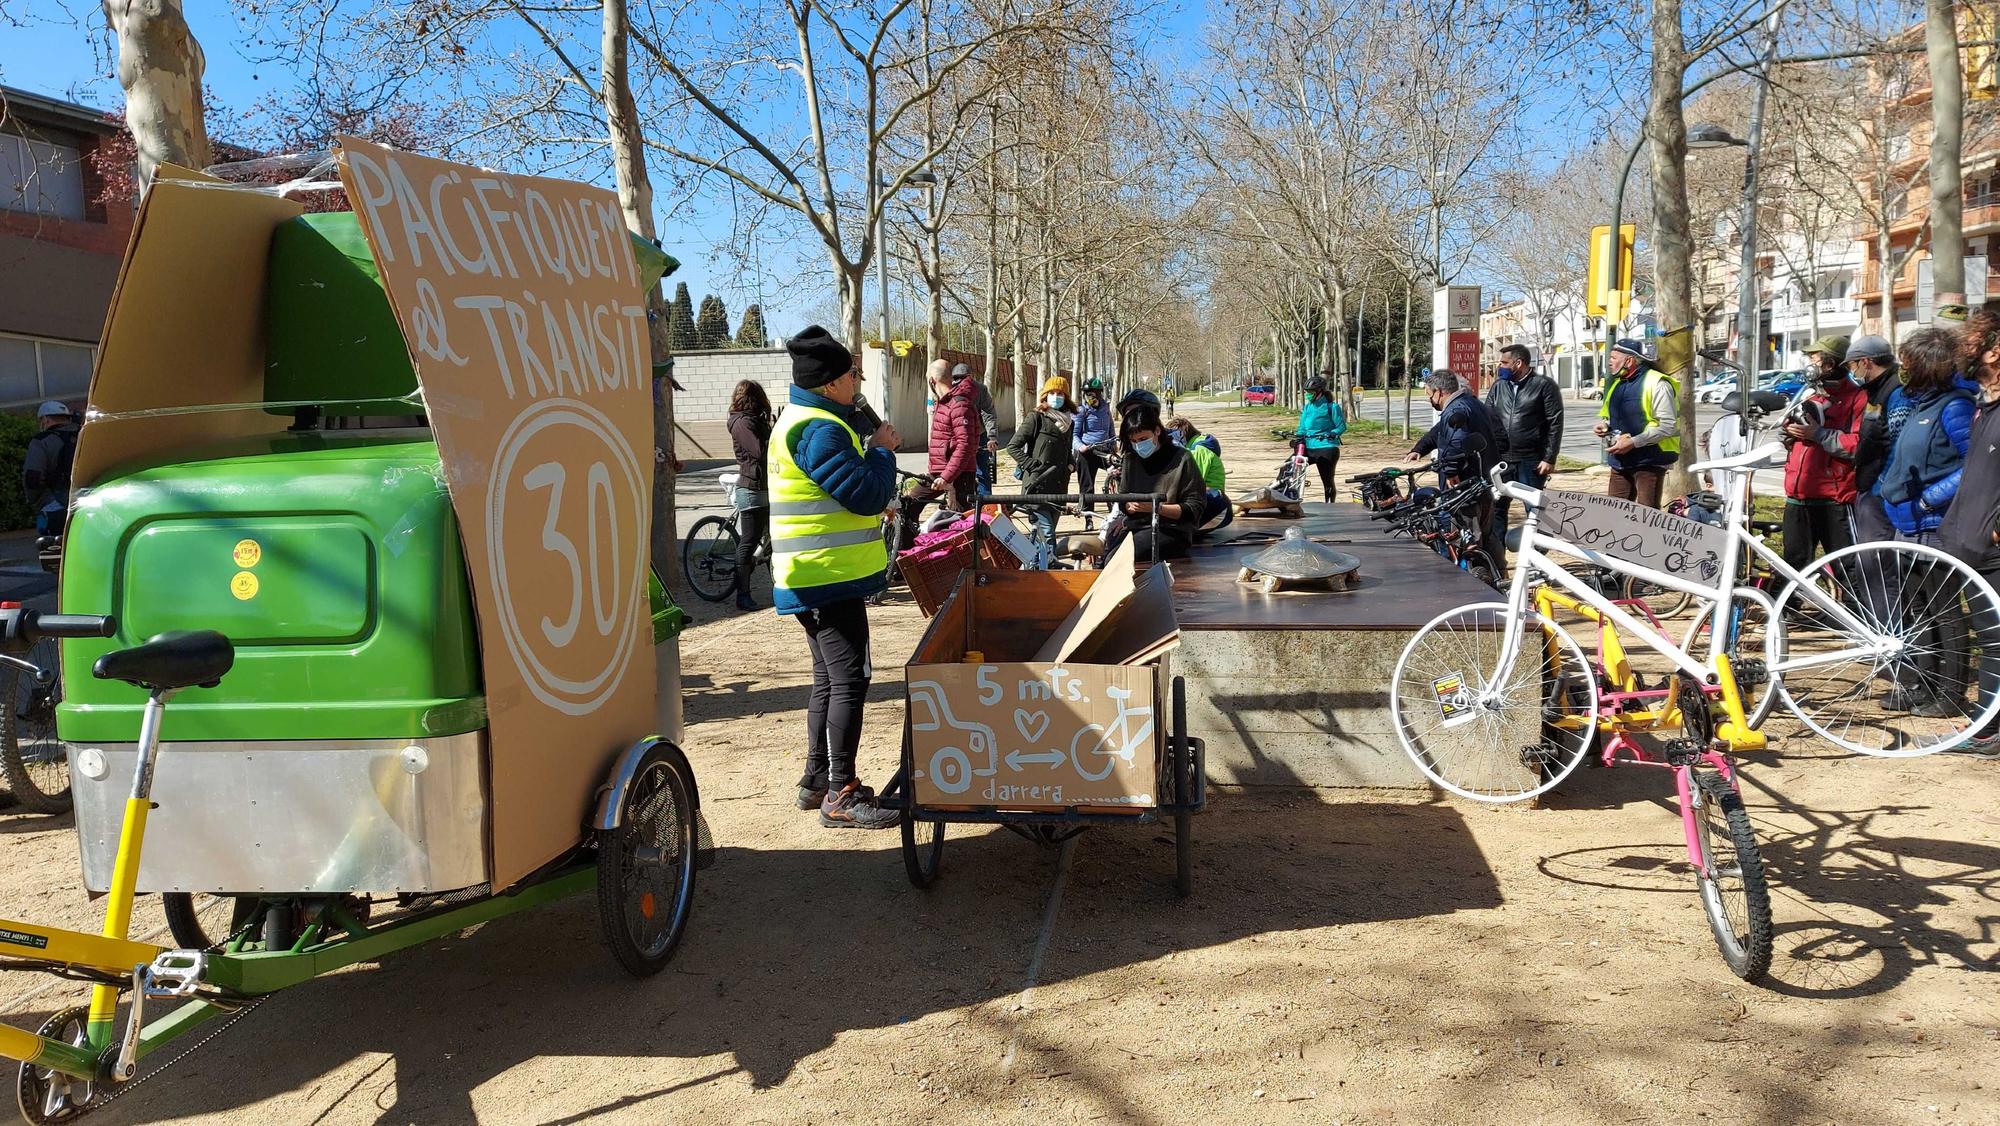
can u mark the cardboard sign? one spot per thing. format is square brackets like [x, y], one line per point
[185, 328]
[519, 300]
[1633, 533]
[1035, 735]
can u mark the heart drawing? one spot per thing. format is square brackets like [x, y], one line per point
[1030, 724]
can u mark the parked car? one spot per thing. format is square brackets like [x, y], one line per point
[1260, 395]
[1715, 390]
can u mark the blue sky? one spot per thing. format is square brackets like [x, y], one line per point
[61, 51]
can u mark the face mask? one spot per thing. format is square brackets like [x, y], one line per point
[1147, 448]
[1055, 402]
[1179, 438]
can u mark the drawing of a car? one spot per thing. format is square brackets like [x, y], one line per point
[952, 768]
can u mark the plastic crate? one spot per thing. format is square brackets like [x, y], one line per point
[932, 570]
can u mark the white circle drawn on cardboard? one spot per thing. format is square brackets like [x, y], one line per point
[571, 697]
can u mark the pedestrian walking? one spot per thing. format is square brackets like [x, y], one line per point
[1929, 429]
[1093, 437]
[829, 487]
[1639, 414]
[1821, 436]
[1527, 410]
[1321, 424]
[749, 437]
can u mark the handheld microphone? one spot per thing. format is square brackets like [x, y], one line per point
[867, 412]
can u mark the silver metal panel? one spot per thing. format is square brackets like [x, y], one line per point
[311, 815]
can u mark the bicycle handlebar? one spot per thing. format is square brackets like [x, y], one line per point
[1532, 497]
[29, 626]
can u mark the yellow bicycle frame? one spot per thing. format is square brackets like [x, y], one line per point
[1735, 729]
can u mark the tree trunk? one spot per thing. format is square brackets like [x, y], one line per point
[1673, 248]
[635, 199]
[160, 67]
[1947, 198]
[1409, 375]
[852, 278]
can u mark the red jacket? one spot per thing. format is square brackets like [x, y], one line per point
[1824, 470]
[955, 432]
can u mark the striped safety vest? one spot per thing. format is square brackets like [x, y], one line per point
[815, 540]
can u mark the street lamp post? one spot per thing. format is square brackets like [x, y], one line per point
[913, 180]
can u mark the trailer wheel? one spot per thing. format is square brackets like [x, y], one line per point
[922, 859]
[646, 866]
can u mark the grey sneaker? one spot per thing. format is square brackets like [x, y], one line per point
[1939, 707]
[853, 807]
[810, 797]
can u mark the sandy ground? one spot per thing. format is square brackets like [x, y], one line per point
[1347, 956]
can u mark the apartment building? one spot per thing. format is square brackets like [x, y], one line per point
[62, 236]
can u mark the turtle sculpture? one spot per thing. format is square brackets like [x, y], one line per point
[1268, 499]
[1297, 563]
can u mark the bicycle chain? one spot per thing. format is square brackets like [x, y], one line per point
[120, 1090]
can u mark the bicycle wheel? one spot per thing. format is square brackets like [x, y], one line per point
[1729, 873]
[34, 763]
[1486, 736]
[1898, 685]
[205, 922]
[709, 558]
[1754, 641]
[922, 858]
[1663, 603]
[646, 866]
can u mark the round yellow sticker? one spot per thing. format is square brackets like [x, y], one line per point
[247, 553]
[243, 586]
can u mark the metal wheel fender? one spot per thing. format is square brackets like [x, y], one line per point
[611, 795]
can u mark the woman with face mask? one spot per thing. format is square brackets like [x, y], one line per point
[1154, 464]
[1041, 447]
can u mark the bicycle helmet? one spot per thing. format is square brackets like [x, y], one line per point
[1136, 397]
[1093, 384]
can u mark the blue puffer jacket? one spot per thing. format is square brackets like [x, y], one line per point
[1321, 423]
[1928, 438]
[863, 484]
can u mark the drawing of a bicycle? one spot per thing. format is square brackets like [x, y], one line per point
[1096, 746]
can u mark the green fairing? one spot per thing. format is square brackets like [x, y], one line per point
[330, 335]
[361, 615]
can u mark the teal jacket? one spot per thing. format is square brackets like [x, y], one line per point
[1321, 424]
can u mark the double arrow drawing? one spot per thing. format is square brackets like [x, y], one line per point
[1051, 758]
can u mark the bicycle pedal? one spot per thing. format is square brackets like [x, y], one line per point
[1684, 751]
[174, 973]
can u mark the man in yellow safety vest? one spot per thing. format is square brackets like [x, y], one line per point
[828, 491]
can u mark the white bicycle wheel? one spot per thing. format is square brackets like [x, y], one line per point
[1907, 683]
[1754, 645]
[1488, 737]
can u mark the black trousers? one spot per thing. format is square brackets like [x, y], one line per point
[1812, 527]
[1325, 461]
[751, 526]
[1088, 462]
[838, 637]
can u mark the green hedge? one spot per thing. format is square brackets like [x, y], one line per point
[15, 431]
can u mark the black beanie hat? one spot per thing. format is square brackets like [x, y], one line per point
[817, 358]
